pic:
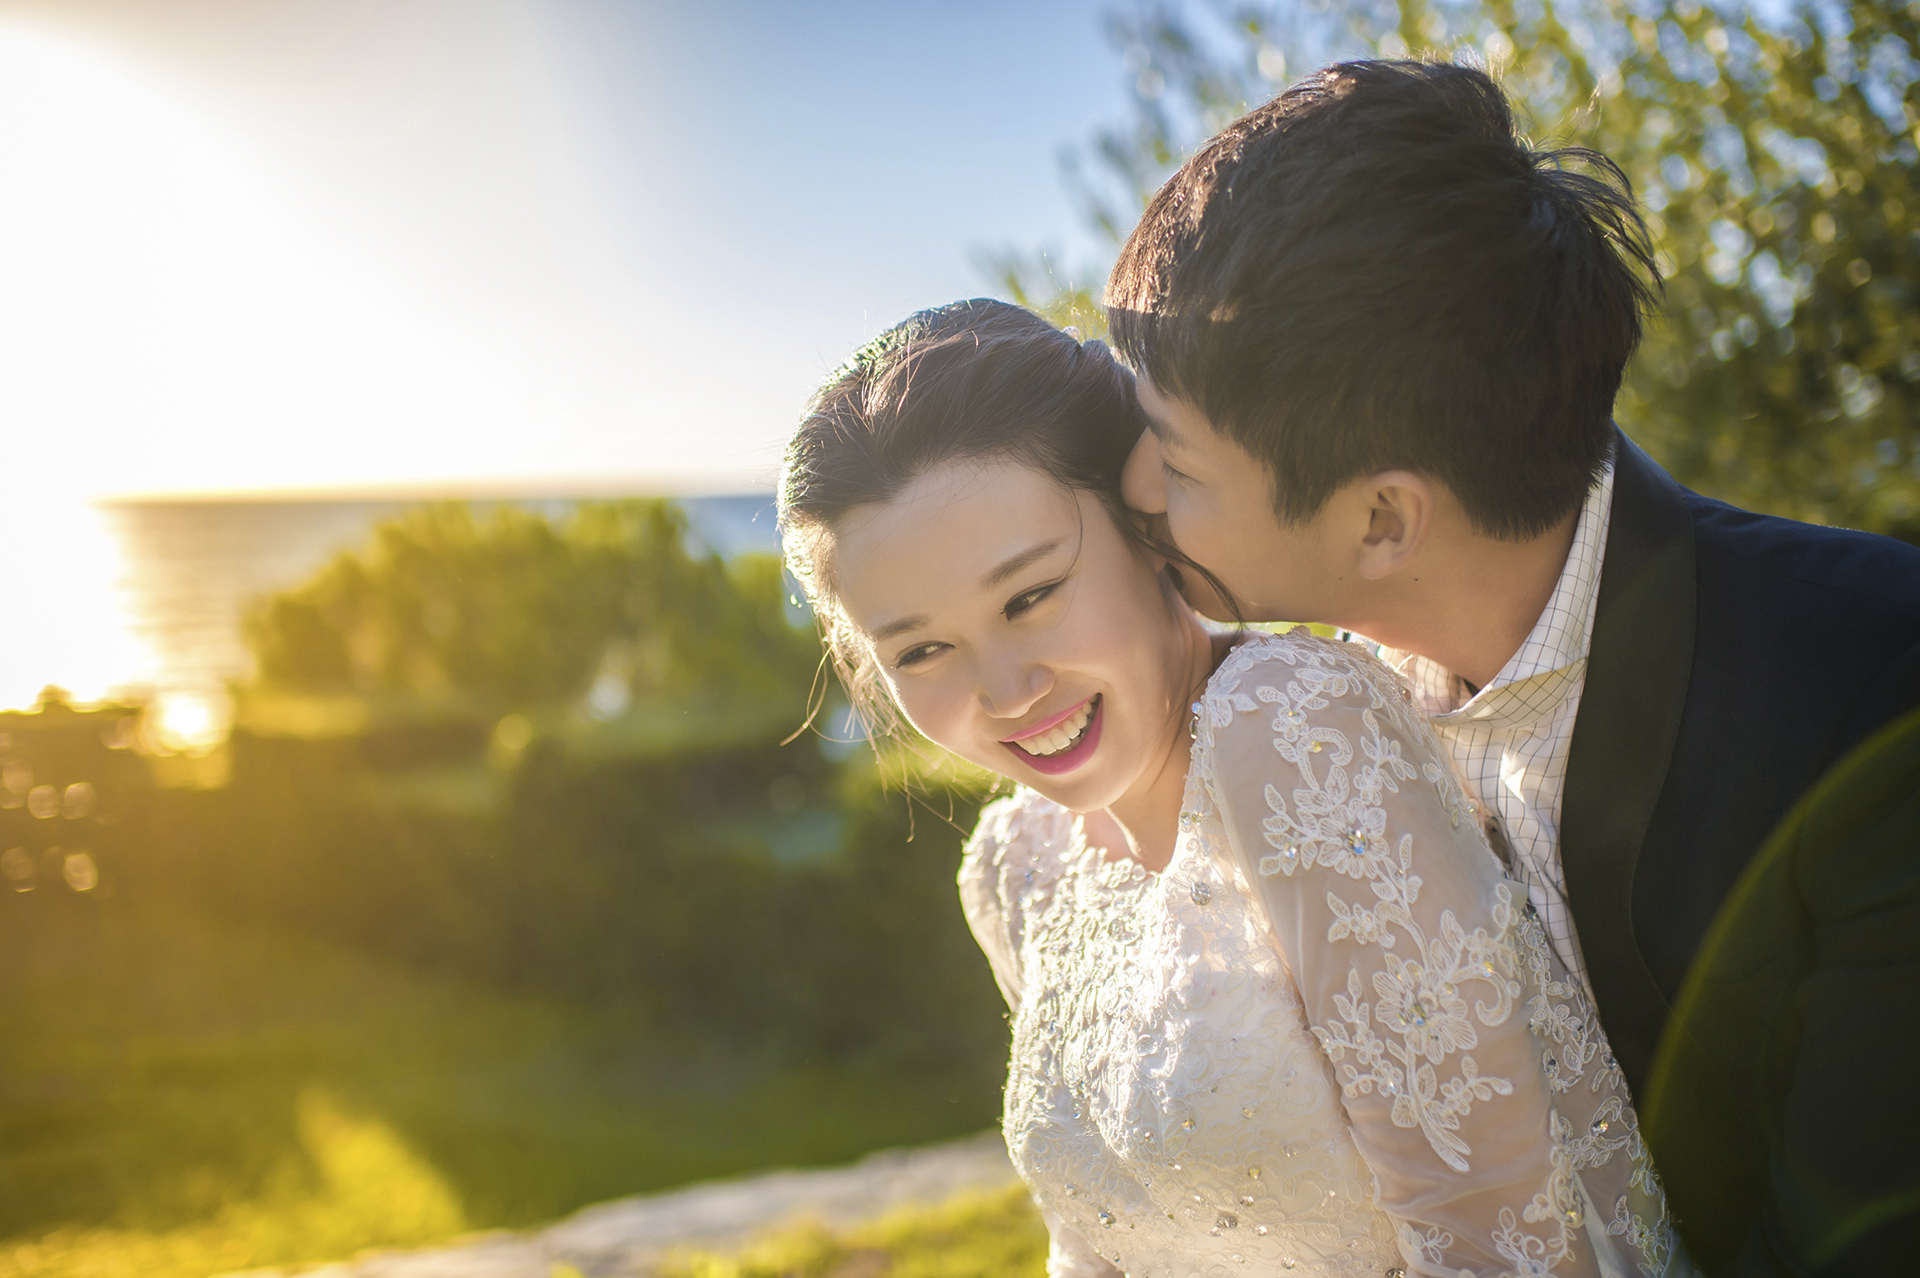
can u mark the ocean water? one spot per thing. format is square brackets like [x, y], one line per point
[146, 598]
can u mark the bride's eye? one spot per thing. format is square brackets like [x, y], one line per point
[1027, 599]
[916, 654]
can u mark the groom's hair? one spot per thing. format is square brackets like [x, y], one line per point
[1375, 271]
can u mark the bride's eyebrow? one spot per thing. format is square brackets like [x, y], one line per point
[899, 627]
[1015, 563]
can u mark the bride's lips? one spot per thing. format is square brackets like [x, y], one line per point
[1046, 725]
[1069, 759]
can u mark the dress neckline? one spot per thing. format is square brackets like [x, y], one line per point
[1127, 872]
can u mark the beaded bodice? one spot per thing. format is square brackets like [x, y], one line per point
[1328, 1039]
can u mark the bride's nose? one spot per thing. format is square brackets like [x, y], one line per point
[1010, 689]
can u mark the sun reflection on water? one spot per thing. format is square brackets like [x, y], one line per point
[65, 621]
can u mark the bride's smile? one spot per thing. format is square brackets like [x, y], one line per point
[1061, 742]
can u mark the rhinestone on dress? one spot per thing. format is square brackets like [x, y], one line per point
[1227, 1220]
[1396, 1272]
[1285, 861]
[1599, 1126]
[1106, 1219]
[1253, 1173]
[1187, 1124]
[1201, 893]
[1193, 726]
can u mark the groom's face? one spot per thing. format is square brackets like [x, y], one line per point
[1217, 500]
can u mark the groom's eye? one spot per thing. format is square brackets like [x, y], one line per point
[1171, 473]
[1027, 599]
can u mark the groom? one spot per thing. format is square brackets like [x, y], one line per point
[1378, 341]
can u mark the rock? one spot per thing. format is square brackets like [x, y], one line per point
[627, 1238]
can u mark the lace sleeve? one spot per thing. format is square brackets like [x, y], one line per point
[1475, 1077]
[1011, 862]
[987, 898]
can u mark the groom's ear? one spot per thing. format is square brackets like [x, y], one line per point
[1399, 509]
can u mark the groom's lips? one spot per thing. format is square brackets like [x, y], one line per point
[1069, 759]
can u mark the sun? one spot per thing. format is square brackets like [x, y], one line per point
[171, 320]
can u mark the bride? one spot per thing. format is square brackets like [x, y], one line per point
[1276, 1006]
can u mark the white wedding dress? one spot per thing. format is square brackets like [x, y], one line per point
[1330, 1038]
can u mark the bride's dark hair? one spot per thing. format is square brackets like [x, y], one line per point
[972, 380]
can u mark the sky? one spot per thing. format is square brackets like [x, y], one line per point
[412, 245]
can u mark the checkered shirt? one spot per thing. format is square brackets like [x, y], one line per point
[1510, 740]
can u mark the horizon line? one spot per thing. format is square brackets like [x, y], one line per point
[717, 484]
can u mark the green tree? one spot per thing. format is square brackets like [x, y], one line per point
[1776, 158]
[507, 610]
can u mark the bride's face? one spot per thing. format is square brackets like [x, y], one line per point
[1018, 628]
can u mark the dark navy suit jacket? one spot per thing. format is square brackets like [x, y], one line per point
[1736, 658]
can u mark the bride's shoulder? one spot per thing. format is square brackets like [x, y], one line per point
[1024, 827]
[1291, 686]
[1302, 653]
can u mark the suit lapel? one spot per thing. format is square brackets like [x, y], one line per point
[1623, 739]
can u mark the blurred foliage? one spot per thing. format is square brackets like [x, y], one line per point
[1775, 151]
[995, 1232]
[65, 777]
[514, 611]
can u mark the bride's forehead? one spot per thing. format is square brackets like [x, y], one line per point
[945, 532]
[977, 484]
[960, 512]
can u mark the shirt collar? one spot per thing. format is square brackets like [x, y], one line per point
[1544, 668]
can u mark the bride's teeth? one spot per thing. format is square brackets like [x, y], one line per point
[1061, 736]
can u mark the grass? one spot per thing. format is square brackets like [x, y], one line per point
[976, 1235]
[181, 1098]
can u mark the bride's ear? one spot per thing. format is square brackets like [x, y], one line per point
[1399, 509]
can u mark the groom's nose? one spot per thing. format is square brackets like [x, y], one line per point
[1143, 484]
